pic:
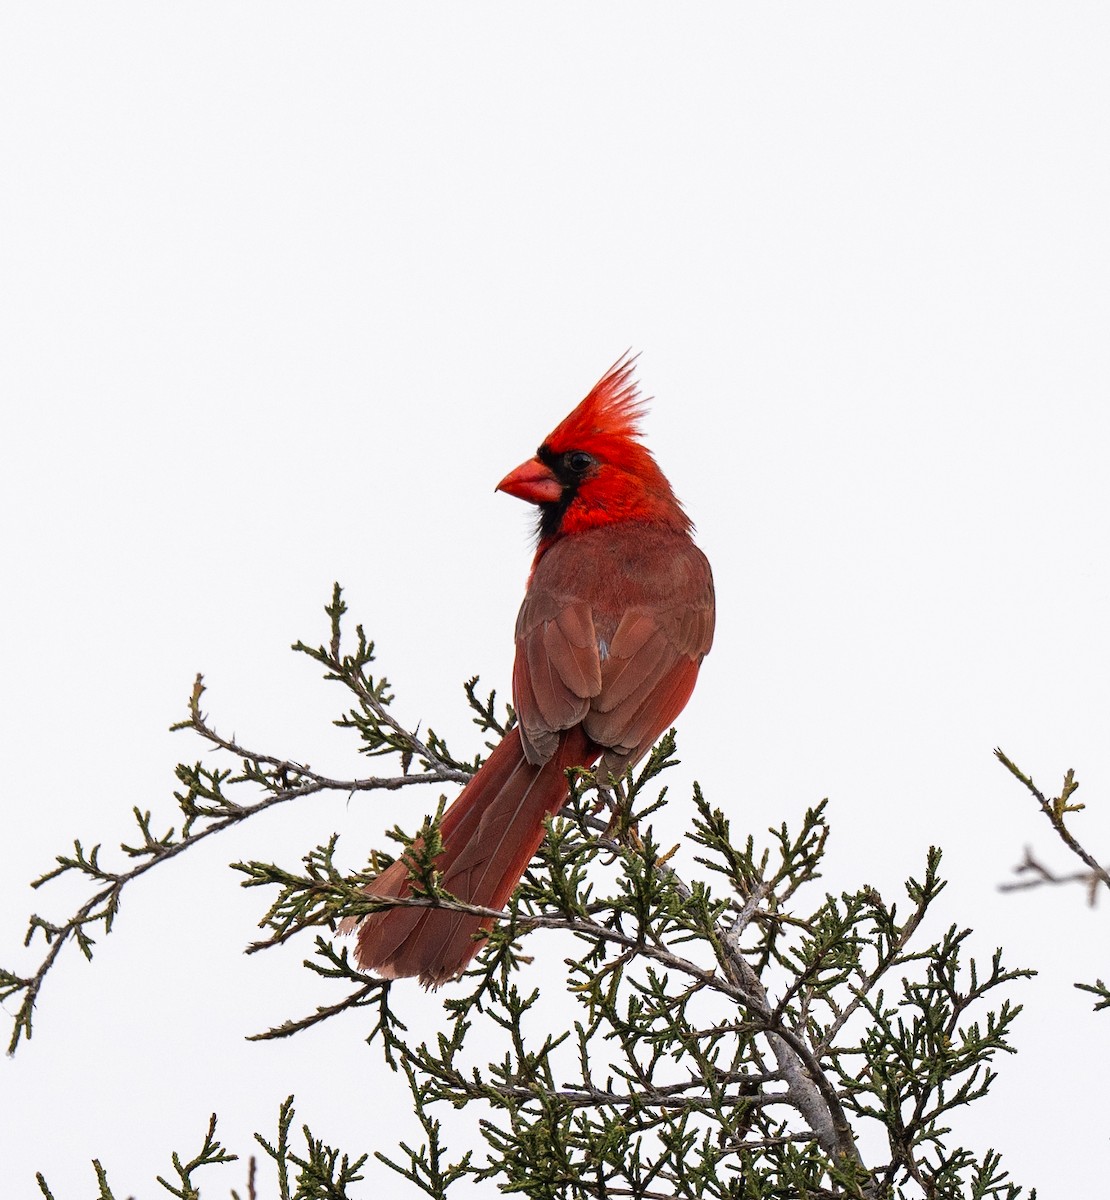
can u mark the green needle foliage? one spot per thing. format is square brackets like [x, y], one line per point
[318, 1172]
[726, 1028]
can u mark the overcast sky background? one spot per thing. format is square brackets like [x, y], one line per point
[287, 289]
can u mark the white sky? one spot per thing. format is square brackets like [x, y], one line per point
[286, 289]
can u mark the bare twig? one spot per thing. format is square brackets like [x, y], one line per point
[1056, 810]
[1035, 874]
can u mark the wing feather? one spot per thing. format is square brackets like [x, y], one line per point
[634, 667]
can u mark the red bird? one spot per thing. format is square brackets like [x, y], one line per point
[617, 616]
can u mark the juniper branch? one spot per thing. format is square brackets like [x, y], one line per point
[207, 808]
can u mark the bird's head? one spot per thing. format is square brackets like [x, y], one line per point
[593, 469]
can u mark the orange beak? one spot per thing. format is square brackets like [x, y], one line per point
[532, 481]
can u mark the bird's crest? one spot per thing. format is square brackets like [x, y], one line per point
[612, 409]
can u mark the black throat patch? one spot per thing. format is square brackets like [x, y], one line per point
[551, 514]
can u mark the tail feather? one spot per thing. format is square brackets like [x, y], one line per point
[490, 834]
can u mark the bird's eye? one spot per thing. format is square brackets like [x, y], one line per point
[579, 461]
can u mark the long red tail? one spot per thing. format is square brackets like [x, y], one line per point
[490, 834]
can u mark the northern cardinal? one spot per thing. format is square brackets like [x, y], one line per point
[617, 616]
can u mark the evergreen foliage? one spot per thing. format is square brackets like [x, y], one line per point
[742, 1033]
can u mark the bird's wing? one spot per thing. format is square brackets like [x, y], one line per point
[557, 669]
[611, 634]
[648, 675]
